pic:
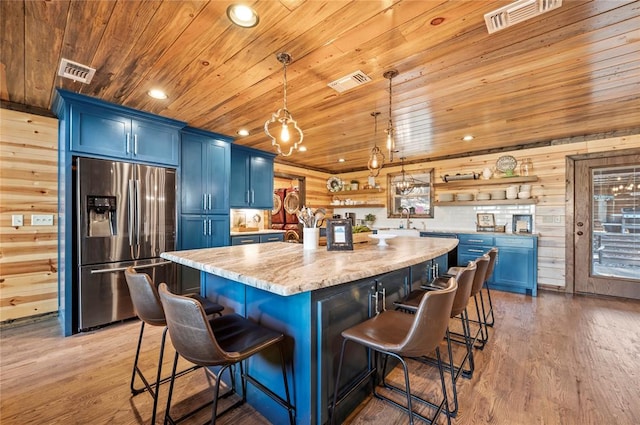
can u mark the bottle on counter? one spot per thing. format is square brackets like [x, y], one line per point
[526, 167]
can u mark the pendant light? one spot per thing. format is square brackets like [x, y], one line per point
[376, 158]
[285, 119]
[405, 185]
[391, 143]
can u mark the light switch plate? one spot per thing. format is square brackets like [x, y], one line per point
[42, 219]
[17, 220]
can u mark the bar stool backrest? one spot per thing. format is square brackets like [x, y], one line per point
[465, 283]
[493, 256]
[482, 264]
[144, 297]
[191, 334]
[430, 322]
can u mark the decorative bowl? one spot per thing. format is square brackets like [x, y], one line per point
[382, 238]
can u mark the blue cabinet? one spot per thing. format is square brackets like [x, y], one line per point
[203, 231]
[264, 238]
[204, 173]
[103, 129]
[516, 268]
[251, 178]
[204, 189]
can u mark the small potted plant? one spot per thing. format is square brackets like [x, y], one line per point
[369, 219]
[354, 184]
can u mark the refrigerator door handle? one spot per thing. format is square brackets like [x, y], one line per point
[204, 227]
[204, 201]
[138, 218]
[209, 227]
[120, 269]
[209, 196]
[131, 207]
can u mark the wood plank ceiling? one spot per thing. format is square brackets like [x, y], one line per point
[573, 71]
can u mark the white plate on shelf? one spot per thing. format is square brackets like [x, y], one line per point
[382, 238]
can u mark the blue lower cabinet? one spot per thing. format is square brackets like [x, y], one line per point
[249, 239]
[516, 268]
[203, 231]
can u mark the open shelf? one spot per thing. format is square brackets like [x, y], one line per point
[479, 182]
[529, 201]
[356, 192]
[359, 206]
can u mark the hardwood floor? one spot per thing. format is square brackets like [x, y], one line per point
[555, 359]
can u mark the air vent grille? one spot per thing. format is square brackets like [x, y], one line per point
[519, 11]
[350, 81]
[75, 71]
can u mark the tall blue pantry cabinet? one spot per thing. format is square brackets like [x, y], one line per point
[204, 196]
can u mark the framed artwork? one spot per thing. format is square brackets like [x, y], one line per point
[339, 235]
[522, 223]
[485, 223]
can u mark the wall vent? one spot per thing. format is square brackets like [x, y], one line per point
[75, 71]
[350, 81]
[516, 12]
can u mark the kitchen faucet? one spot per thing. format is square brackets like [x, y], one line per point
[408, 217]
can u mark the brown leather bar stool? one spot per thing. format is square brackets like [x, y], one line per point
[405, 336]
[222, 341]
[148, 308]
[493, 255]
[464, 279]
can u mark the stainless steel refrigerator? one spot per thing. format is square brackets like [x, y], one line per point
[124, 216]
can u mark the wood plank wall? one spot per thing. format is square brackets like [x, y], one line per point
[28, 185]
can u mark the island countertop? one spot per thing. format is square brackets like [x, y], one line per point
[287, 269]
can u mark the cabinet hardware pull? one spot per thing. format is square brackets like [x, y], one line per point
[253, 197]
[384, 299]
[209, 227]
[476, 240]
[209, 196]
[375, 303]
[128, 142]
[247, 241]
[204, 230]
[474, 250]
[204, 201]
[135, 144]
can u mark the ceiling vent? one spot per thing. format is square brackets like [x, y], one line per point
[516, 12]
[75, 71]
[350, 81]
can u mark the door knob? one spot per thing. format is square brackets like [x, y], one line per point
[579, 224]
[580, 233]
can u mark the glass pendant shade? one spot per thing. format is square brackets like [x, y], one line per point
[376, 157]
[391, 143]
[282, 141]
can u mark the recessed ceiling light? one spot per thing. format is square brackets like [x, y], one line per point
[157, 94]
[242, 15]
[340, 159]
[467, 138]
[243, 132]
[302, 149]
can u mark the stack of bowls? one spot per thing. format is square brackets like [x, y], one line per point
[483, 196]
[498, 195]
[445, 197]
[464, 197]
[512, 192]
[525, 191]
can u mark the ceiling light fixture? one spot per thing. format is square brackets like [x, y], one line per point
[243, 15]
[283, 117]
[391, 143]
[157, 94]
[243, 132]
[468, 138]
[406, 184]
[376, 158]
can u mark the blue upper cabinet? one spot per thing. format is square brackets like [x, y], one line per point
[205, 172]
[104, 129]
[251, 178]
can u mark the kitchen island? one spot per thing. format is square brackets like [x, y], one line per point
[311, 296]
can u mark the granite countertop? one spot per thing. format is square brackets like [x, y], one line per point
[258, 232]
[287, 269]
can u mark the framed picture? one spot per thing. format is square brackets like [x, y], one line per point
[522, 223]
[486, 220]
[339, 236]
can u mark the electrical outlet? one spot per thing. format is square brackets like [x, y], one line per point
[17, 220]
[42, 219]
[557, 219]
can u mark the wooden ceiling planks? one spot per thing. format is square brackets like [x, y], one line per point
[571, 72]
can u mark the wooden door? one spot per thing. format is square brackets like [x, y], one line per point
[606, 227]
